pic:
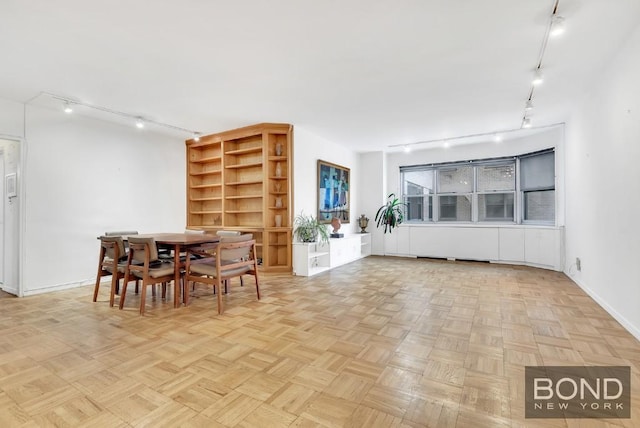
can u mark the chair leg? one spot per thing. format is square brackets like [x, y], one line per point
[241, 281]
[123, 293]
[97, 286]
[220, 308]
[115, 284]
[143, 298]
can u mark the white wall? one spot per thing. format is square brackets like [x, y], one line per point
[603, 189]
[372, 181]
[307, 149]
[85, 176]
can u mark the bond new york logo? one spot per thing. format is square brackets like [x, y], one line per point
[577, 392]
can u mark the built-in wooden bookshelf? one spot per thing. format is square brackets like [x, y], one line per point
[242, 180]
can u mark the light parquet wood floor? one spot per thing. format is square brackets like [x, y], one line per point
[382, 342]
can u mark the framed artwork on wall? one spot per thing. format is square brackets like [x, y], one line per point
[333, 192]
[11, 185]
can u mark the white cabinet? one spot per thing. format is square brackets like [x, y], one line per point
[365, 244]
[312, 258]
[309, 259]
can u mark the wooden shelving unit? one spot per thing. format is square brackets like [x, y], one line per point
[242, 180]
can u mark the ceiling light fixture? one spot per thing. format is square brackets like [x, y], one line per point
[196, 136]
[557, 26]
[486, 137]
[497, 138]
[70, 103]
[407, 149]
[538, 78]
[67, 107]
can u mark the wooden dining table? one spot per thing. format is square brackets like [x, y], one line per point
[179, 242]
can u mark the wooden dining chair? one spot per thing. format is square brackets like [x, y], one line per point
[110, 263]
[144, 264]
[232, 256]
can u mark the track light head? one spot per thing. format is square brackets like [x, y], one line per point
[67, 108]
[538, 78]
[526, 122]
[557, 26]
[139, 123]
[196, 136]
[529, 105]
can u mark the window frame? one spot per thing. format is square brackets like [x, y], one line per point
[474, 195]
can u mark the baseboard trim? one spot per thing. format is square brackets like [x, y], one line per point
[59, 287]
[634, 330]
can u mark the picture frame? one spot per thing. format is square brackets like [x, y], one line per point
[11, 185]
[334, 189]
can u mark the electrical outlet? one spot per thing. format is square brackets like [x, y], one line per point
[578, 264]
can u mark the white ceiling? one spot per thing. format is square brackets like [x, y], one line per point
[363, 73]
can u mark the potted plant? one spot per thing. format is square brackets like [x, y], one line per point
[390, 214]
[308, 229]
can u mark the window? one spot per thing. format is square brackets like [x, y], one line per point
[455, 185]
[537, 183]
[482, 190]
[417, 190]
[496, 191]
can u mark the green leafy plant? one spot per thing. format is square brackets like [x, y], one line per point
[309, 229]
[390, 214]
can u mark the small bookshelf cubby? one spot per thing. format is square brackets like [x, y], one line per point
[242, 180]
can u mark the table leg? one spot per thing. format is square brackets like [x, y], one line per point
[176, 280]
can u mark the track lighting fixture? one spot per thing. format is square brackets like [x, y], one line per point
[529, 105]
[557, 26]
[196, 136]
[69, 104]
[538, 78]
[526, 122]
[67, 107]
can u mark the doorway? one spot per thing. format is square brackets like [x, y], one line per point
[10, 164]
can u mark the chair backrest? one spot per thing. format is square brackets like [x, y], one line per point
[235, 253]
[138, 256]
[195, 232]
[228, 233]
[111, 244]
[121, 233]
